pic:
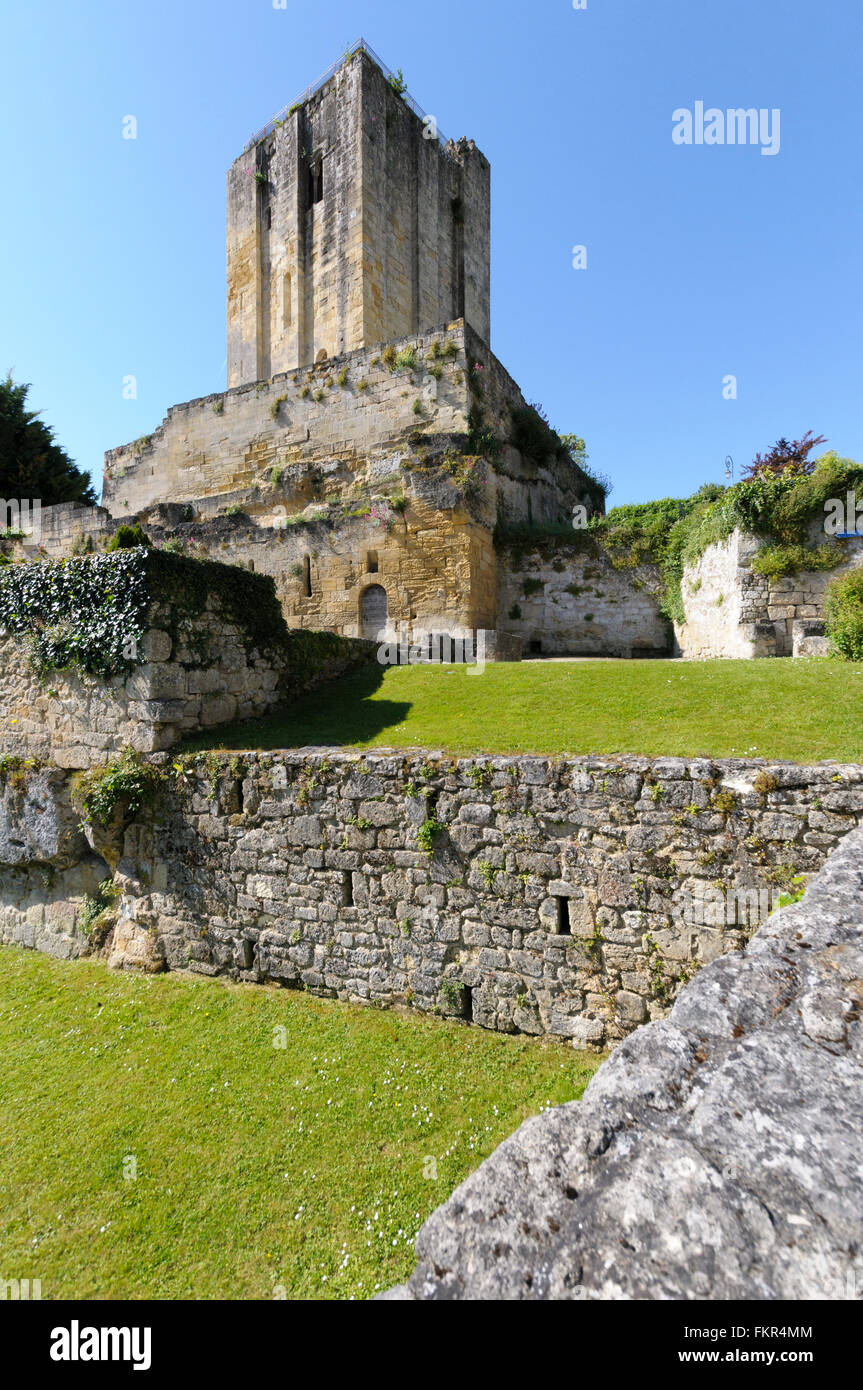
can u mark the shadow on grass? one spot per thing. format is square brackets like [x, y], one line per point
[340, 712]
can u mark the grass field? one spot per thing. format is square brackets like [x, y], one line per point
[259, 1168]
[801, 710]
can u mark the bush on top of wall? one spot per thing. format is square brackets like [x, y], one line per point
[675, 532]
[90, 611]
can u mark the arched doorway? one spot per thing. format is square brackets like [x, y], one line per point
[373, 612]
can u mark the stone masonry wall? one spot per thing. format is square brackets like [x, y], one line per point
[568, 898]
[203, 676]
[731, 611]
[715, 1155]
[240, 493]
[397, 243]
[333, 441]
[318, 432]
[569, 600]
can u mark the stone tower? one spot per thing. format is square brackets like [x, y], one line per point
[351, 223]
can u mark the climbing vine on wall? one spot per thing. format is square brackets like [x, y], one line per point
[87, 612]
[91, 611]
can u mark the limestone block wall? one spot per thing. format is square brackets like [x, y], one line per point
[436, 563]
[272, 478]
[343, 429]
[795, 602]
[733, 612]
[725, 603]
[569, 600]
[569, 898]
[47, 866]
[347, 226]
[714, 1155]
[78, 721]
[317, 431]
[437, 568]
[295, 264]
[190, 670]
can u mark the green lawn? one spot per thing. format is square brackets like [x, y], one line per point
[802, 710]
[257, 1167]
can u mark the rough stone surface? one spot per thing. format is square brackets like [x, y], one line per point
[732, 611]
[715, 1155]
[569, 898]
[572, 601]
[46, 865]
[207, 674]
[390, 238]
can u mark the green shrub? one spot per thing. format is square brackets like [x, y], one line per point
[781, 559]
[404, 361]
[125, 781]
[428, 833]
[532, 434]
[396, 81]
[14, 769]
[129, 537]
[94, 904]
[844, 615]
[674, 532]
[481, 440]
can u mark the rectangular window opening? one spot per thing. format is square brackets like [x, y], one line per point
[347, 889]
[307, 576]
[562, 916]
[371, 562]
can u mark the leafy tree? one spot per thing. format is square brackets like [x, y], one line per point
[577, 450]
[787, 458]
[31, 464]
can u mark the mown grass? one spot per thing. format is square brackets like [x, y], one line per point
[262, 1171]
[802, 710]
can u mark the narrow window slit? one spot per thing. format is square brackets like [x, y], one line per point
[562, 916]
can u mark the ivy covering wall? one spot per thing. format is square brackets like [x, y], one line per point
[91, 611]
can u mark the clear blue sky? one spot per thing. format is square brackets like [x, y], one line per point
[702, 261]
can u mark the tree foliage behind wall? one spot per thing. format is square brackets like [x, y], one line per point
[32, 465]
